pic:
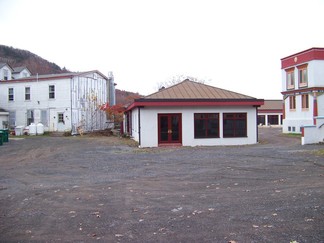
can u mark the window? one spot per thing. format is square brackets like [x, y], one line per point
[30, 117]
[44, 118]
[206, 125]
[27, 93]
[234, 125]
[305, 101]
[273, 119]
[290, 76]
[302, 76]
[60, 118]
[292, 102]
[51, 93]
[261, 119]
[11, 94]
[12, 119]
[5, 74]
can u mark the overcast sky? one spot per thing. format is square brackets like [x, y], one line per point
[232, 44]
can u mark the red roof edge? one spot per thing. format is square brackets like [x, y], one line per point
[187, 103]
[315, 53]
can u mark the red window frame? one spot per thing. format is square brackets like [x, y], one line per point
[302, 76]
[290, 78]
[234, 125]
[292, 102]
[305, 101]
[207, 120]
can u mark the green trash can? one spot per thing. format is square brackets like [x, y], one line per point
[1, 138]
[5, 135]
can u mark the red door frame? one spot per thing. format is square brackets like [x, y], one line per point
[170, 141]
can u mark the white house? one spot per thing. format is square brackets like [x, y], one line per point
[193, 114]
[61, 102]
[302, 90]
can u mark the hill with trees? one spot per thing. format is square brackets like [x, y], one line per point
[18, 57]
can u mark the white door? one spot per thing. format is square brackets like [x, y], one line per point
[60, 122]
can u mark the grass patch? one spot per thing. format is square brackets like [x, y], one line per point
[319, 152]
[292, 135]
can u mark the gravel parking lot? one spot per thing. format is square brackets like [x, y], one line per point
[105, 189]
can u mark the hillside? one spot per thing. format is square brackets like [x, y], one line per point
[17, 58]
[125, 97]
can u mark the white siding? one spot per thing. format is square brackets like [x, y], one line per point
[4, 118]
[316, 77]
[88, 93]
[80, 96]
[39, 100]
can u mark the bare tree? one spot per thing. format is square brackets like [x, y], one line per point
[178, 79]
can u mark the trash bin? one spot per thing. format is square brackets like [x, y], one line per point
[1, 138]
[19, 130]
[5, 135]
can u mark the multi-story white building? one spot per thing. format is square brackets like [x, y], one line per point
[61, 102]
[303, 89]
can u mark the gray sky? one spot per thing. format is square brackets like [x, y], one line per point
[232, 44]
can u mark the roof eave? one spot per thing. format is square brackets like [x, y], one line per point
[195, 102]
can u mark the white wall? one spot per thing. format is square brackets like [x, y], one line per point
[317, 73]
[298, 117]
[320, 104]
[315, 133]
[149, 125]
[39, 100]
[4, 117]
[87, 94]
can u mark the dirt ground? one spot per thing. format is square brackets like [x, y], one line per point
[105, 189]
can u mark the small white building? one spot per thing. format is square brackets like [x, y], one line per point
[193, 114]
[302, 90]
[61, 102]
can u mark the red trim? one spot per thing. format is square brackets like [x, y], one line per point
[269, 111]
[306, 90]
[195, 103]
[283, 110]
[302, 57]
[302, 130]
[315, 108]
